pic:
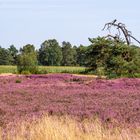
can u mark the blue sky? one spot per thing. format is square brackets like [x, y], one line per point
[34, 21]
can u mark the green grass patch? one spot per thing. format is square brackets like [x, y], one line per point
[46, 69]
[8, 69]
[62, 69]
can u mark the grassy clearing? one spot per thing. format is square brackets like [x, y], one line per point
[65, 128]
[49, 69]
[8, 69]
[62, 69]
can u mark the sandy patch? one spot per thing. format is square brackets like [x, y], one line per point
[8, 74]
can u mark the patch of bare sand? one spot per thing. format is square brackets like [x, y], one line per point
[81, 75]
[7, 74]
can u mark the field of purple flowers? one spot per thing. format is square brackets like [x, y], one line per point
[65, 94]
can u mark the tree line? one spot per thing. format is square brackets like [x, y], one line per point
[50, 53]
[103, 56]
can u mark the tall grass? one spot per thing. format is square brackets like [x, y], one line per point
[54, 128]
[62, 69]
[8, 69]
[49, 69]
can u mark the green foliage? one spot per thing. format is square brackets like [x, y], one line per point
[68, 54]
[124, 61]
[50, 53]
[46, 69]
[81, 55]
[74, 50]
[13, 52]
[62, 69]
[18, 81]
[27, 60]
[5, 57]
[8, 69]
[114, 59]
[42, 71]
[25, 72]
[104, 57]
[97, 54]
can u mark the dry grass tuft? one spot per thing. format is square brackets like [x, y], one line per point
[64, 128]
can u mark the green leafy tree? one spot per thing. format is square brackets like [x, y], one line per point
[13, 51]
[97, 54]
[81, 55]
[27, 60]
[5, 57]
[124, 61]
[113, 58]
[74, 50]
[68, 54]
[50, 53]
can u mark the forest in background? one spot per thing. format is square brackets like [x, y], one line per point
[103, 56]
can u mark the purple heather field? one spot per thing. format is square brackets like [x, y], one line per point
[64, 94]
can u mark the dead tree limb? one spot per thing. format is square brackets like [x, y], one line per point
[121, 28]
[135, 39]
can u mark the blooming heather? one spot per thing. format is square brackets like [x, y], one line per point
[66, 94]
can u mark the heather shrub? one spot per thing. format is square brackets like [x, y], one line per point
[76, 80]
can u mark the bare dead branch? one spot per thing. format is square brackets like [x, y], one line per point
[120, 28]
[135, 39]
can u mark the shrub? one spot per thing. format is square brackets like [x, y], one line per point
[114, 59]
[27, 60]
[18, 81]
[26, 72]
[42, 71]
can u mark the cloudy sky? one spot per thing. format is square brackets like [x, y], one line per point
[33, 21]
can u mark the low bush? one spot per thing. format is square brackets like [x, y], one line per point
[18, 81]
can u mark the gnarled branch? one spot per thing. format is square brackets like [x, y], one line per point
[121, 28]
